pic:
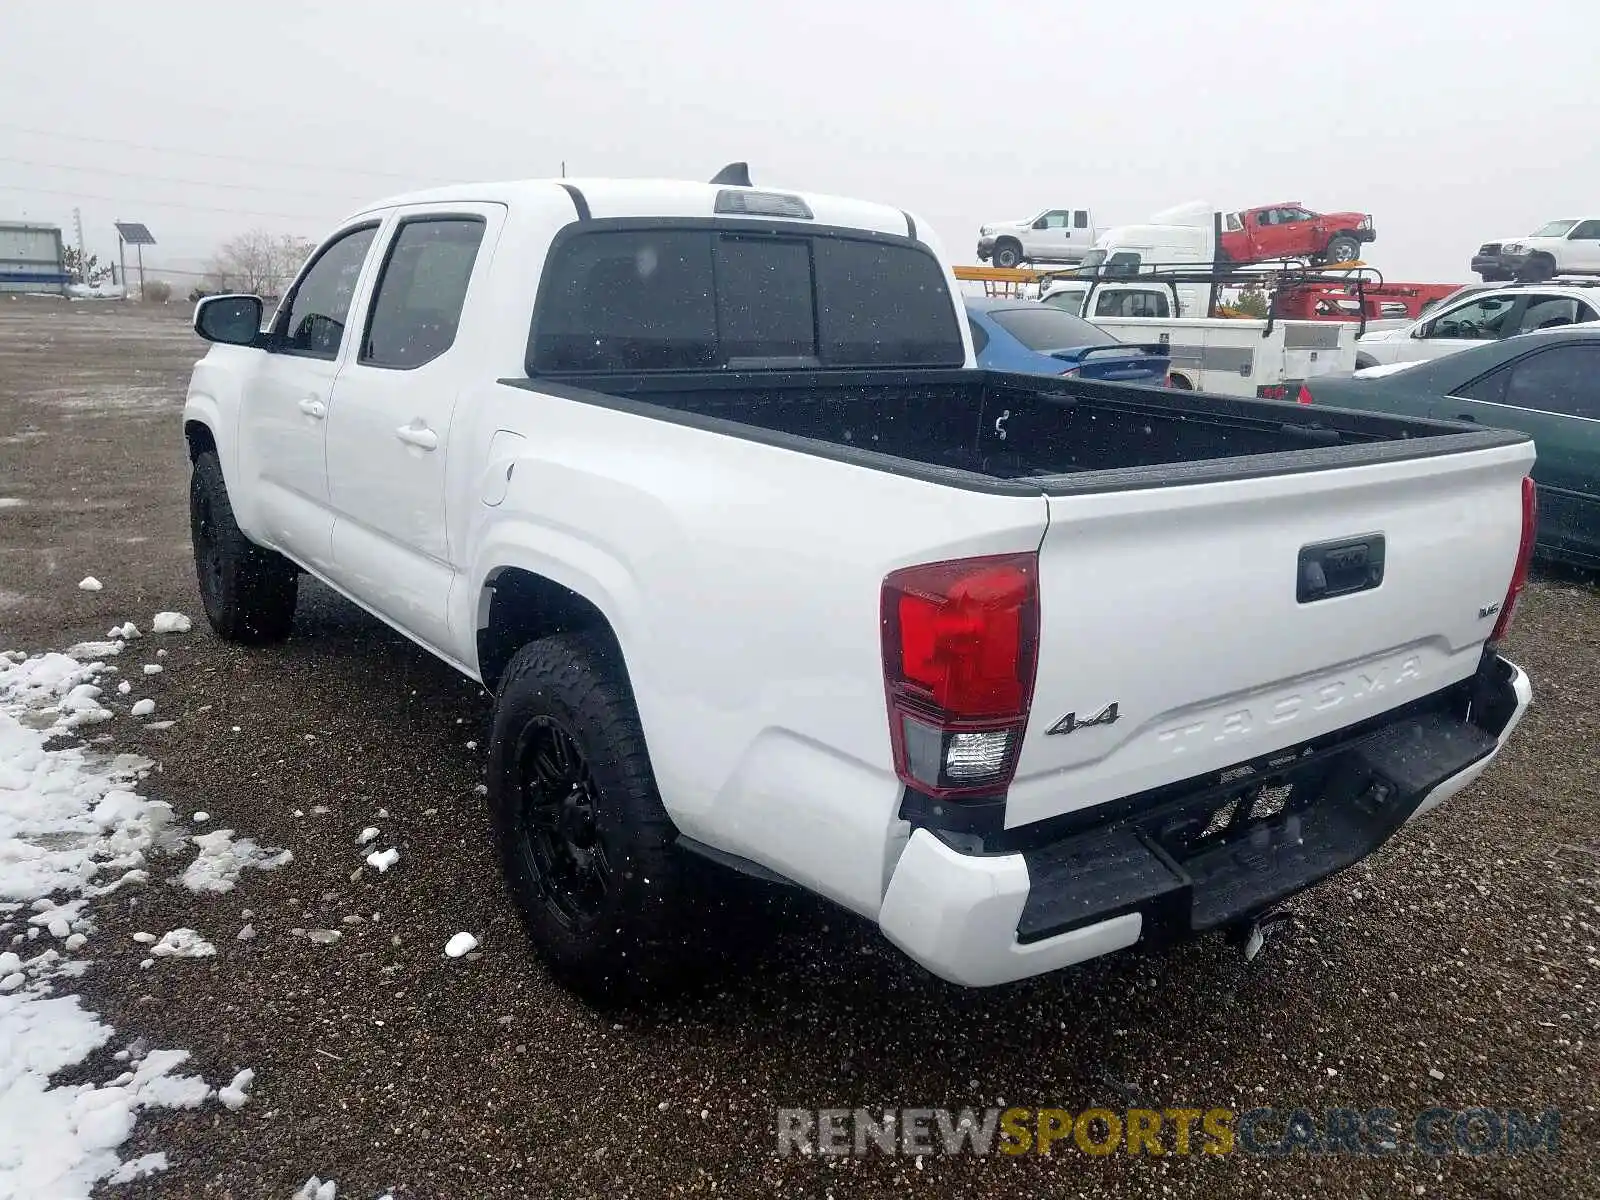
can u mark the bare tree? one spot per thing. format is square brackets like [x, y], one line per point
[258, 262]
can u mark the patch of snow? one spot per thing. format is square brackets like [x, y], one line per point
[88, 651]
[201, 817]
[127, 631]
[70, 824]
[233, 1096]
[153, 668]
[90, 584]
[317, 1189]
[11, 502]
[323, 937]
[171, 622]
[159, 725]
[124, 688]
[367, 834]
[142, 708]
[222, 860]
[182, 943]
[144, 938]
[381, 860]
[461, 943]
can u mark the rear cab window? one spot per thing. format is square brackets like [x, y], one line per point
[737, 296]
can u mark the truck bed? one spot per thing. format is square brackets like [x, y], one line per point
[1021, 433]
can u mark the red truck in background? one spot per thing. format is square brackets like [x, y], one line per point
[1277, 231]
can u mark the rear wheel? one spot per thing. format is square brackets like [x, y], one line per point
[248, 593]
[586, 846]
[1343, 248]
[1007, 254]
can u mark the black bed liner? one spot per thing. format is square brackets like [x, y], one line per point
[1021, 434]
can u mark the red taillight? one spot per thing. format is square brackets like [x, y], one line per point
[1070, 371]
[1304, 396]
[1519, 575]
[1281, 391]
[960, 643]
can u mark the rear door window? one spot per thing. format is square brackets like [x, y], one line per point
[421, 291]
[1563, 379]
[697, 299]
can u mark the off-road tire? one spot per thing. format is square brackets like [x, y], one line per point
[1342, 248]
[248, 592]
[633, 945]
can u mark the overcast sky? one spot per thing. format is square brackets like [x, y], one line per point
[1451, 122]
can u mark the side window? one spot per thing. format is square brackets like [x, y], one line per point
[421, 290]
[1490, 388]
[1587, 231]
[1131, 304]
[1548, 312]
[1233, 223]
[1563, 379]
[980, 338]
[312, 321]
[1123, 262]
[1053, 220]
[1479, 320]
[1080, 219]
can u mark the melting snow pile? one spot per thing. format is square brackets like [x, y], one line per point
[222, 860]
[171, 622]
[70, 825]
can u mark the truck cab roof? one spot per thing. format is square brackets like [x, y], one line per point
[599, 198]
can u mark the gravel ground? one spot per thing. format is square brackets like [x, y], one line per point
[1466, 949]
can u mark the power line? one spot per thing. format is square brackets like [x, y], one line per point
[260, 162]
[134, 201]
[239, 187]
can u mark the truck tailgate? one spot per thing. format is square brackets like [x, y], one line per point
[1186, 629]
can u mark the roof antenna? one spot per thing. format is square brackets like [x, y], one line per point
[736, 174]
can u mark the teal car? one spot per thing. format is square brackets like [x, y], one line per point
[1546, 384]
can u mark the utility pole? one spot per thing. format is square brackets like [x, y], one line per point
[122, 257]
[83, 262]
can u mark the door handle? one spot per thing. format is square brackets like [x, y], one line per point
[418, 435]
[312, 407]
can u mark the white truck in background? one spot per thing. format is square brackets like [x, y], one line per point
[1071, 667]
[1057, 235]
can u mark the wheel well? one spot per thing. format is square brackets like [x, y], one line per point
[1181, 382]
[1363, 361]
[517, 607]
[200, 438]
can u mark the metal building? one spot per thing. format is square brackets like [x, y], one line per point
[31, 259]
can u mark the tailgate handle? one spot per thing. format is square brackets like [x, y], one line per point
[1329, 569]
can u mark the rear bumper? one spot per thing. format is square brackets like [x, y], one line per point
[1214, 856]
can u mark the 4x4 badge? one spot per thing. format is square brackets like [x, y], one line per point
[1106, 716]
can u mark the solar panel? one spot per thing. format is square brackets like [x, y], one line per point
[134, 234]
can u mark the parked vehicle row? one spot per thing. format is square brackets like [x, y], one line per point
[578, 439]
[1187, 233]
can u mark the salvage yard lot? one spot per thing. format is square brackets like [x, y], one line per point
[1459, 967]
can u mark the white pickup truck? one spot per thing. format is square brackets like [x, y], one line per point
[701, 481]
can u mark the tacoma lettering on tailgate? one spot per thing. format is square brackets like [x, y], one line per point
[1226, 726]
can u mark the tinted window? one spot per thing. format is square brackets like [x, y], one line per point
[1080, 219]
[622, 300]
[1587, 231]
[1124, 262]
[628, 301]
[313, 323]
[881, 304]
[980, 337]
[1563, 379]
[764, 300]
[1490, 387]
[420, 293]
[1041, 327]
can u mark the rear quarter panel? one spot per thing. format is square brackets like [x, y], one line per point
[743, 583]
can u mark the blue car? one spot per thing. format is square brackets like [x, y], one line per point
[1039, 339]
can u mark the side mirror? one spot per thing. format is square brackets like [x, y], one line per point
[1042, 223]
[231, 320]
